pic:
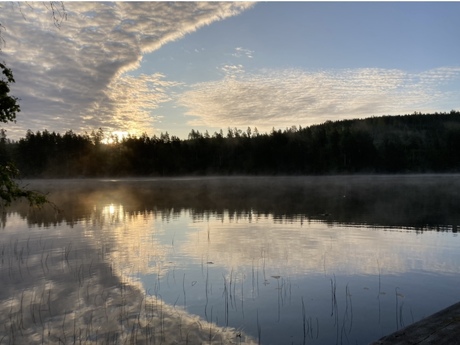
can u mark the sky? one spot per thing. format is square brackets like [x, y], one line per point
[156, 67]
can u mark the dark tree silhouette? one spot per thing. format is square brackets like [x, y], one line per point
[415, 143]
[9, 107]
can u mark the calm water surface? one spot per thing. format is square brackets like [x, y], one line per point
[304, 260]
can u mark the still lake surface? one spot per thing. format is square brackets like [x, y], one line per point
[237, 260]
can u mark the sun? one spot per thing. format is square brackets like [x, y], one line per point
[115, 136]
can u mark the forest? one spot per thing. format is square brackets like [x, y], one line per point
[416, 143]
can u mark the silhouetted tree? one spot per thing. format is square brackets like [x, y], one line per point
[9, 188]
[390, 144]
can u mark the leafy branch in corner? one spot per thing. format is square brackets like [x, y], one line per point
[10, 190]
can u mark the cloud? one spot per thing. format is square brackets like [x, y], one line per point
[76, 72]
[232, 70]
[282, 98]
[240, 52]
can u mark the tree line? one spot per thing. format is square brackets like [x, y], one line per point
[416, 143]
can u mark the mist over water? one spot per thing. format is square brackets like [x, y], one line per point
[269, 260]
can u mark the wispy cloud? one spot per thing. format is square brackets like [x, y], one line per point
[240, 52]
[282, 98]
[232, 70]
[76, 72]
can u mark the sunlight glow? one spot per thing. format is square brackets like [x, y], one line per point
[114, 137]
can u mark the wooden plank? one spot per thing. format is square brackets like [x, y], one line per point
[442, 328]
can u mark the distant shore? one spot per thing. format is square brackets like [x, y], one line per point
[409, 144]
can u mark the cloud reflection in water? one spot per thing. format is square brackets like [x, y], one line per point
[61, 287]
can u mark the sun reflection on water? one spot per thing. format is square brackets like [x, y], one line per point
[131, 239]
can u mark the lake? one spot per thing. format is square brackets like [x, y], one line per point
[229, 260]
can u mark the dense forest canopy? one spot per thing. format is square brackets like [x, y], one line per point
[414, 143]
